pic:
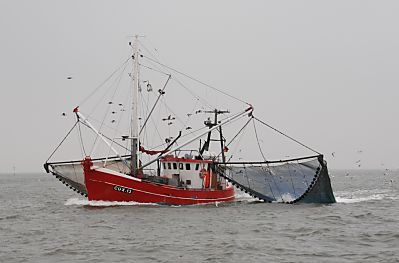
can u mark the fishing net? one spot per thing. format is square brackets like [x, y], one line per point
[71, 173]
[290, 181]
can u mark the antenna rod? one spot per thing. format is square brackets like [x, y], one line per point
[247, 111]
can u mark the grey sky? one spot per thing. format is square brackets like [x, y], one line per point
[325, 72]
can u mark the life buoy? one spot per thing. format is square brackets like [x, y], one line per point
[202, 173]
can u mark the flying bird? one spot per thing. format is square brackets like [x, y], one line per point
[69, 77]
[169, 118]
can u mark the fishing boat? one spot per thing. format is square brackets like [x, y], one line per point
[193, 162]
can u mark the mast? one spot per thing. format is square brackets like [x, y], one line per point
[135, 111]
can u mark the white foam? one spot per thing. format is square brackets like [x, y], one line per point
[242, 196]
[84, 202]
[365, 195]
[357, 200]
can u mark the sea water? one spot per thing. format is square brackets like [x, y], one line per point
[43, 221]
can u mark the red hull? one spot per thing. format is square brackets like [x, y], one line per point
[106, 185]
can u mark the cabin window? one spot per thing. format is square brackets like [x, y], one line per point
[175, 166]
[188, 167]
[188, 182]
[197, 166]
[181, 166]
[164, 165]
[169, 166]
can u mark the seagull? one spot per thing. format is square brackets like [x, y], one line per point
[169, 118]
[189, 114]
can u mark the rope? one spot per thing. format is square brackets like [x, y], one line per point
[105, 81]
[108, 138]
[257, 140]
[203, 100]
[289, 137]
[117, 82]
[51, 155]
[235, 136]
[81, 141]
[155, 104]
[196, 80]
[153, 69]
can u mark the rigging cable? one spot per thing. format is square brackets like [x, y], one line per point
[289, 137]
[116, 130]
[108, 138]
[117, 83]
[66, 136]
[81, 141]
[196, 80]
[257, 140]
[156, 70]
[204, 101]
[199, 129]
[105, 81]
[155, 104]
[109, 87]
[235, 136]
[156, 60]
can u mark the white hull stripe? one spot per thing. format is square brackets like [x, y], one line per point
[168, 196]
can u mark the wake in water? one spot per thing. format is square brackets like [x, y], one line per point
[366, 195]
[85, 202]
[240, 197]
